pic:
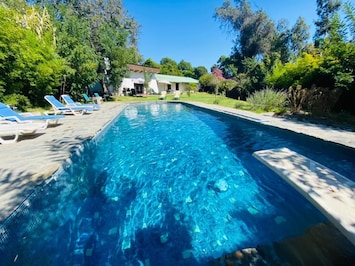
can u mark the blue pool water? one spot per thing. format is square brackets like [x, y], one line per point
[166, 184]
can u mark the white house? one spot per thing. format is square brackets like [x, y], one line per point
[133, 83]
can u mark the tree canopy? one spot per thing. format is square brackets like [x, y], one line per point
[67, 46]
[272, 54]
[30, 65]
[254, 30]
[54, 47]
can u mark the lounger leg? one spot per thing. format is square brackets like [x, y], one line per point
[8, 141]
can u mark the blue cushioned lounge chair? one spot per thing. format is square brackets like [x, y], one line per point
[7, 113]
[70, 103]
[58, 107]
[87, 98]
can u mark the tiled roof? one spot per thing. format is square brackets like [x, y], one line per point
[138, 68]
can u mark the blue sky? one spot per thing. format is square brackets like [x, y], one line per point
[186, 29]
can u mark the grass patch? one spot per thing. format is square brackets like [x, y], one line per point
[195, 97]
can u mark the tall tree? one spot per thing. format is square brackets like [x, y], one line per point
[254, 30]
[226, 64]
[326, 9]
[350, 18]
[73, 44]
[150, 63]
[186, 69]
[281, 41]
[200, 71]
[299, 36]
[112, 34]
[169, 67]
[29, 63]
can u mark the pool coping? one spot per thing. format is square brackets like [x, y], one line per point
[323, 132]
[329, 191]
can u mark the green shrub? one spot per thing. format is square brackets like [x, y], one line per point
[297, 97]
[268, 100]
[317, 100]
[21, 102]
[191, 87]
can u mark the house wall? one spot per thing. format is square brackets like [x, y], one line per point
[164, 87]
[132, 75]
[161, 86]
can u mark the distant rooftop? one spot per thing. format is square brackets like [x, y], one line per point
[175, 79]
[138, 68]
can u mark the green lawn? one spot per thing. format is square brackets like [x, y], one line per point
[196, 97]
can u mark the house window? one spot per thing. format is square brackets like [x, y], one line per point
[177, 86]
[138, 88]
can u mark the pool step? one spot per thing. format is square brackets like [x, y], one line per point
[332, 193]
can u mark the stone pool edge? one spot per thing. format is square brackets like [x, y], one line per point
[326, 133]
[330, 192]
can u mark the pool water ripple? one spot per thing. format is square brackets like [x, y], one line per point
[176, 163]
[167, 185]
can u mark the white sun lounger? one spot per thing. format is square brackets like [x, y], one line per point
[162, 95]
[177, 95]
[11, 131]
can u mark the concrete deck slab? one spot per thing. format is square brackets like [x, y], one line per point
[27, 163]
[332, 193]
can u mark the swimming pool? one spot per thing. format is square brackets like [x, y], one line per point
[166, 184]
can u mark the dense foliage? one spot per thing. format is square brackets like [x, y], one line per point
[30, 65]
[55, 47]
[269, 54]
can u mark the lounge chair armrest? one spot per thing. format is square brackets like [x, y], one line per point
[13, 118]
[3, 120]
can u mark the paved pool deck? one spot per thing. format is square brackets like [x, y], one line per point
[27, 163]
